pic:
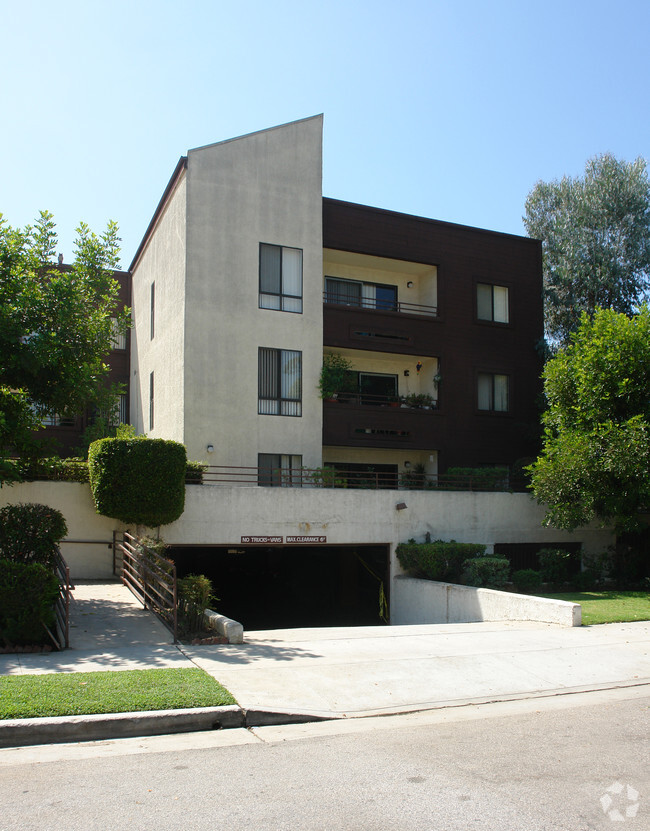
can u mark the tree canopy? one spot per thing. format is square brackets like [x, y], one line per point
[595, 460]
[57, 324]
[595, 234]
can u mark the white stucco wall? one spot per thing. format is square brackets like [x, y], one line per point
[216, 515]
[260, 188]
[427, 601]
[87, 560]
[163, 263]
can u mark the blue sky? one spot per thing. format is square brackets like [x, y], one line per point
[451, 110]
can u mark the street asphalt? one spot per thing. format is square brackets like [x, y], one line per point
[281, 676]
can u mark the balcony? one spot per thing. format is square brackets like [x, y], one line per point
[378, 303]
[381, 326]
[355, 420]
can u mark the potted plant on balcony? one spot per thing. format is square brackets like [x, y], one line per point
[420, 401]
[334, 376]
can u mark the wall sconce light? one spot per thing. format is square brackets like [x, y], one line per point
[418, 367]
[401, 506]
[210, 448]
[409, 285]
[406, 373]
[407, 464]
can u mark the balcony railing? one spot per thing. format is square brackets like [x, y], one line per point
[395, 401]
[330, 477]
[379, 304]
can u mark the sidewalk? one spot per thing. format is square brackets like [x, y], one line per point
[355, 671]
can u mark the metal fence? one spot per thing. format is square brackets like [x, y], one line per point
[150, 577]
[369, 479]
[62, 603]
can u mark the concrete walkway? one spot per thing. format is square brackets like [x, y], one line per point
[356, 671]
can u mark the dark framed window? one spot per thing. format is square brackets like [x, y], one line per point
[279, 382]
[355, 293]
[492, 303]
[493, 392]
[152, 316]
[279, 470]
[280, 278]
[151, 400]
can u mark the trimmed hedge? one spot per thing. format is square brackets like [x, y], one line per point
[54, 469]
[527, 578]
[486, 572]
[138, 480]
[437, 560]
[30, 533]
[27, 595]
[554, 564]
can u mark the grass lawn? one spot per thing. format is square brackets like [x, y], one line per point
[123, 691]
[609, 607]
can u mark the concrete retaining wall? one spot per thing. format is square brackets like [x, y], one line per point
[427, 601]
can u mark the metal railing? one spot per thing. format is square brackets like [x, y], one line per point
[62, 603]
[151, 578]
[378, 304]
[369, 479]
[396, 401]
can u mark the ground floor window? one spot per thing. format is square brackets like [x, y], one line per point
[279, 470]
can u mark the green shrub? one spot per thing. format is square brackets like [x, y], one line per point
[30, 533]
[194, 597]
[54, 469]
[194, 473]
[586, 580]
[479, 478]
[486, 572]
[436, 560]
[138, 480]
[527, 578]
[27, 595]
[554, 564]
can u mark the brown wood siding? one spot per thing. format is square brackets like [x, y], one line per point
[462, 434]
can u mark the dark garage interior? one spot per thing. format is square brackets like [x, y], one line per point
[282, 587]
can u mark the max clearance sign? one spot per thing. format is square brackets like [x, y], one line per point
[250, 540]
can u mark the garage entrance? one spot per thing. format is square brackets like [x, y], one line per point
[281, 587]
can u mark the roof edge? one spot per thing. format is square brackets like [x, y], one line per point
[417, 218]
[318, 116]
[175, 177]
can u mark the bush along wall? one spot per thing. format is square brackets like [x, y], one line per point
[138, 480]
[437, 560]
[30, 533]
[27, 595]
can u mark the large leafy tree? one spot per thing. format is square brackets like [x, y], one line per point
[56, 327]
[595, 233]
[595, 462]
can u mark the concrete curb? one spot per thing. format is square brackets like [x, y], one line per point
[21, 732]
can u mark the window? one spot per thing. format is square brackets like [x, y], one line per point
[151, 401]
[279, 470]
[493, 392]
[280, 278]
[118, 340]
[122, 410]
[492, 303]
[279, 382]
[366, 295]
[152, 317]
[56, 420]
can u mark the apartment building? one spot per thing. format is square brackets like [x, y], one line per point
[247, 277]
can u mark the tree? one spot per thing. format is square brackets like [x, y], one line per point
[56, 327]
[595, 234]
[595, 460]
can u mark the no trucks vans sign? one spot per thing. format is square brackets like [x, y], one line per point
[250, 540]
